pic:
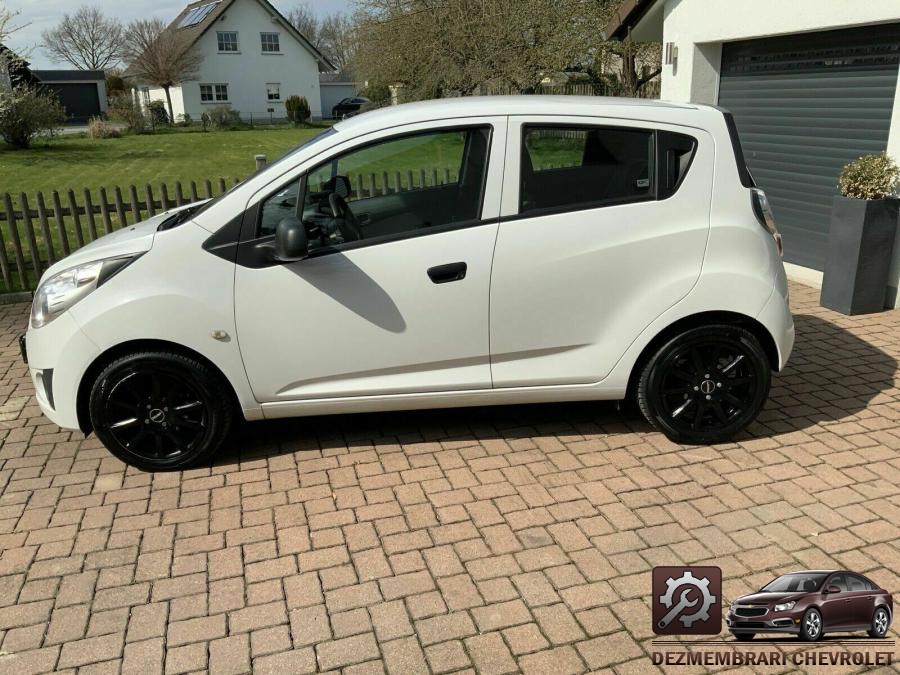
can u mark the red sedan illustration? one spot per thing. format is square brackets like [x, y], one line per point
[812, 603]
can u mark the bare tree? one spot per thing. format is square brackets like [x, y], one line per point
[7, 17]
[304, 19]
[160, 57]
[87, 39]
[333, 35]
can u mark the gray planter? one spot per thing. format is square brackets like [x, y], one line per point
[860, 244]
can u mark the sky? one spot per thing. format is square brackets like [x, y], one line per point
[42, 14]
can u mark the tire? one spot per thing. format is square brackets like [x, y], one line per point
[811, 626]
[744, 637]
[160, 411]
[880, 622]
[705, 385]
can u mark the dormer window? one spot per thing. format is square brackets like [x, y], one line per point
[228, 41]
[271, 44]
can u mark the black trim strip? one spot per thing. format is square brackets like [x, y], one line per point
[746, 179]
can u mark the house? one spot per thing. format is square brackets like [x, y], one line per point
[253, 60]
[812, 85]
[334, 88]
[82, 93]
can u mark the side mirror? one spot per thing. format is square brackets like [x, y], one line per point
[291, 243]
[833, 589]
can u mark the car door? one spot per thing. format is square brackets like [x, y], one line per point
[603, 227]
[837, 611]
[393, 299]
[862, 600]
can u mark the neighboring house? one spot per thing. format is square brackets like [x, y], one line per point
[81, 92]
[812, 85]
[334, 88]
[253, 60]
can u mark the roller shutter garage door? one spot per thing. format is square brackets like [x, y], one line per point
[805, 105]
[80, 99]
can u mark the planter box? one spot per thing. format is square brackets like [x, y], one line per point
[860, 244]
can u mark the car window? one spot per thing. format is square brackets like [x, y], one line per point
[839, 581]
[401, 186]
[806, 583]
[571, 167]
[857, 583]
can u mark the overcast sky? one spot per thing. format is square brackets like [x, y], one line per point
[41, 14]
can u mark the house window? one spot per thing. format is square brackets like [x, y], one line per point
[270, 43]
[273, 92]
[228, 41]
[212, 93]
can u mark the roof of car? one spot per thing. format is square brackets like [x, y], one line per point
[485, 106]
[816, 572]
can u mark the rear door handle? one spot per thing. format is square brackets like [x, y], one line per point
[443, 274]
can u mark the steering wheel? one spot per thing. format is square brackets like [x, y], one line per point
[346, 222]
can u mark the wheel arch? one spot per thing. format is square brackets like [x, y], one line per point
[130, 347]
[702, 319]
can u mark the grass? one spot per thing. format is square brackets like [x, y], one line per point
[77, 162]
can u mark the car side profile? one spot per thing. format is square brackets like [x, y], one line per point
[811, 603]
[464, 252]
[348, 107]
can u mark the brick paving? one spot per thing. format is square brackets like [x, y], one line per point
[489, 540]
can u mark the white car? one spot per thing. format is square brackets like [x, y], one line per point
[465, 252]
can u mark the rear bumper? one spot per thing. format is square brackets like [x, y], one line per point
[777, 318]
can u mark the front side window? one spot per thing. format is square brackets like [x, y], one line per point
[273, 92]
[839, 581]
[394, 188]
[573, 167]
[271, 43]
[228, 41]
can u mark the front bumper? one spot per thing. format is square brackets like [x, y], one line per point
[771, 622]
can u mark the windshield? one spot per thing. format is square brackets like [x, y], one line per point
[804, 583]
[303, 146]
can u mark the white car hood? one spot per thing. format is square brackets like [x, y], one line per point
[137, 238]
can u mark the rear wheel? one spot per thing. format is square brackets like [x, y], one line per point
[744, 637]
[880, 623]
[160, 411]
[705, 385]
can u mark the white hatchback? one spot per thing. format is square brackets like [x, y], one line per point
[463, 252]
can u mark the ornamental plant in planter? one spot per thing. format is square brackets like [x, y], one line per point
[861, 238]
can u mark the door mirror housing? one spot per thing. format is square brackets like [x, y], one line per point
[291, 242]
[833, 589]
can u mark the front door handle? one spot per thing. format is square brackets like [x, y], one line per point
[443, 274]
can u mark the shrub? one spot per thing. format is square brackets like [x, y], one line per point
[205, 121]
[186, 120]
[125, 109]
[380, 94]
[27, 112]
[158, 114]
[297, 108]
[224, 117]
[100, 128]
[869, 177]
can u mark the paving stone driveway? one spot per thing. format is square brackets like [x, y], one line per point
[497, 539]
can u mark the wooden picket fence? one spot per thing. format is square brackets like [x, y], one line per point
[38, 230]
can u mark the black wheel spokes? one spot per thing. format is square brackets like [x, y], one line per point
[156, 414]
[707, 386]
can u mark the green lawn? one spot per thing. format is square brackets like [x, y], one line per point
[70, 162]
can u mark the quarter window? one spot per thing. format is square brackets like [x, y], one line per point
[572, 167]
[228, 41]
[392, 189]
[271, 43]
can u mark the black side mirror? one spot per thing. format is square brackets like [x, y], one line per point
[291, 243]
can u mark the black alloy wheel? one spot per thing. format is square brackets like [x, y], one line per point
[705, 385]
[160, 411]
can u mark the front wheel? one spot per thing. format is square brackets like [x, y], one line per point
[811, 626]
[880, 623]
[705, 385]
[160, 411]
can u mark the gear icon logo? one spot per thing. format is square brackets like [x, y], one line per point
[687, 600]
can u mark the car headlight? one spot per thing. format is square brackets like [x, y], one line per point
[62, 290]
[732, 605]
[785, 607]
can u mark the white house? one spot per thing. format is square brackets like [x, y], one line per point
[812, 85]
[253, 60]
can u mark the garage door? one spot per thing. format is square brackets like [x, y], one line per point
[80, 99]
[805, 105]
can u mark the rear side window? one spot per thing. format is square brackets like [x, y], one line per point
[572, 167]
[676, 152]
[857, 583]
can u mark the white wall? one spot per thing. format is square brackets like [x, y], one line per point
[159, 94]
[698, 31]
[247, 71]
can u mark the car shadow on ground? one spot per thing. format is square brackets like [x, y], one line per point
[832, 375]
